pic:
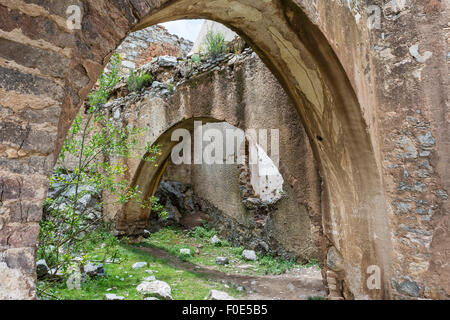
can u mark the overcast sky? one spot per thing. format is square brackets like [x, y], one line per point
[188, 29]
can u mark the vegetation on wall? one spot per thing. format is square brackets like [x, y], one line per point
[138, 80]
[215, 44]
[96, 147]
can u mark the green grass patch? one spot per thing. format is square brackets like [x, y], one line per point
[123, 280]
[186, 284]
[173, 239]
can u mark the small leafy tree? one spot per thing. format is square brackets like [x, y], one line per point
[138, 80]
[69, 228]
[195, 58]
[215, 44]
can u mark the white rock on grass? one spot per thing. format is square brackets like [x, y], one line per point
[112, 296]
[249, 255]
[151, 278]
[215, 240]
[156, 288]
[151, 298]
[186, 252]
[222, 260]
[219, 295]
[138, 265]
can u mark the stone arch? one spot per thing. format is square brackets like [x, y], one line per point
[246, 95]
[300, 56]
[319, 62]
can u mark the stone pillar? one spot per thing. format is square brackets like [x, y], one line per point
[46, 71]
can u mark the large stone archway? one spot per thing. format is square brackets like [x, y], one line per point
[362, 105]
[243, 93]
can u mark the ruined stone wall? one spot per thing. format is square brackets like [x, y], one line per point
[255, 100]
[223, 197]
[142, 46]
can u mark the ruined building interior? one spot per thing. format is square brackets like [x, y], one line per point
[338, 118]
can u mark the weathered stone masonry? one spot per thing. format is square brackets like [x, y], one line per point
[238, 89]
[369, 98]
[142, 46]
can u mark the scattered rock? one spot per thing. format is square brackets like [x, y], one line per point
[151, 298]
[157, 288]
[185, 251]
[427, 140]
[157, 85]
[147, 234]
[139, 265]
[414, 51]
[222, 260]
[42, 269]
[335, 261]
[150, 278]
[112, 296]
[219, 295]
[249, 255]
[408, 287]
[167, 61]
[215, 240]
[94, 270]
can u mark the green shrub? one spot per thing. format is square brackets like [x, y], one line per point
[195, 58]
[202, 232]
[67, 230]
[138, 80]
[215, 44]
[275, 265]
[312, 263]
[225, 243]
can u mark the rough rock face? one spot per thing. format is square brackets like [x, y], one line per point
[142, 46]
[89, 204]
[373, 76]
[178, 201]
